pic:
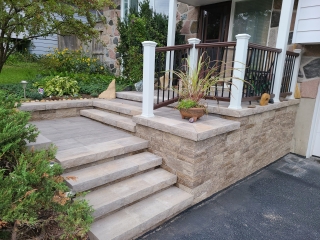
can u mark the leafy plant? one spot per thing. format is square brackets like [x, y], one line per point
[137, 27]
[195, 86]
[73, 61]
[59, 86]
[186, 104]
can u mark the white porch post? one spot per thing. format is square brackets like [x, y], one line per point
[171, 37]
[193, 58]
[295, 74]
[282, 42]
[240, 60]
[149, 55]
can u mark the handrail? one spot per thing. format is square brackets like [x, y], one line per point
[216, 44]
[171, 48]
[292, 53]
[257, 46]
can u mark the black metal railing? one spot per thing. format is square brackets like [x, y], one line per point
[288, 73]
[169, 59]
[219, 58]
[260, 71]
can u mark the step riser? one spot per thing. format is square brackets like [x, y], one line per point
[138, 218]
[131, 199]
[95, 176]
[115, 121]
[68, 170]
[114, 176]
[89, 154]
[119, 108]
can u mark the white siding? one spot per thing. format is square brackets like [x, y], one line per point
[307, 26]
[43, 45]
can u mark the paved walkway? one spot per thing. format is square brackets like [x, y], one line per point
[75, 132]
[281, 201]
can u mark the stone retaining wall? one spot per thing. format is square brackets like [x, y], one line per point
[208, 166]
[56, 113]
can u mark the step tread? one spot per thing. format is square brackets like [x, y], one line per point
[87, 154]
[141, 216]
[110, 118]
[120, 194]
[90, 177]
[118, 107]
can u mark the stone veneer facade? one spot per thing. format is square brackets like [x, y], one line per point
[111, 37]
[208, 166]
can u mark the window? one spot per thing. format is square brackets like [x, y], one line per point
[252, 17]
[159, 6]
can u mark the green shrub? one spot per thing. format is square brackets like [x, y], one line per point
[186, 104]
[137, 27]
[73, 61]
[33, 195]
[59, 86]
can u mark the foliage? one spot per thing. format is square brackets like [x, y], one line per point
[22, 57]
[186, 104]
[73, 61]
[59, 86]
[32, 192]
[137, 27]
[195, 85]
[32, 19]
[14, 130]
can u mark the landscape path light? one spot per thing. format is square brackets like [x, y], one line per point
[24, 85]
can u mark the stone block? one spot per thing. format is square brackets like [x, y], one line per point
[110, 93]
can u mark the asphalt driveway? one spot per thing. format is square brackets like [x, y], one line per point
[281, 201]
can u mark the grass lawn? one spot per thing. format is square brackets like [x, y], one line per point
[17, 72]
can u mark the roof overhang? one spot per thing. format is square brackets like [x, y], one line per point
[197, 3]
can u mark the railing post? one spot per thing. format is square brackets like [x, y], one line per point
[193, 58]
[282, 42]
[149, 55]
[295, 74]
[239, 66]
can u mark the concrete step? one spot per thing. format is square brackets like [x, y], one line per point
[130, 95]
[110, 119]
[94, 176]
[118, 107]
[91, 153]
[115, 196]
[136, 219]
[41, 143]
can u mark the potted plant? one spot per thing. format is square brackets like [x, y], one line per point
[194, 86]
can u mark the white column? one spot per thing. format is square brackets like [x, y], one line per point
[193, 57]
[171, 36]
[282, 42]
[172, 22]
[149, 54]
[295, 74]
[240, 60]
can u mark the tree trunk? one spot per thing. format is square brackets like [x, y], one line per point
[14, 231]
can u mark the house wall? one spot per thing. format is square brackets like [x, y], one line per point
[43, 45]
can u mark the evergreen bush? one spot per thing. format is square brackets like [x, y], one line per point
[34, 203]
[139, 26]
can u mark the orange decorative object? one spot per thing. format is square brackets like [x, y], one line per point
[264, 99]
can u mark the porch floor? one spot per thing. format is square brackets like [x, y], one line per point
[280, 201]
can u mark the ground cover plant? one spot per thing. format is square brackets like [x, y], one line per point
[34, 199]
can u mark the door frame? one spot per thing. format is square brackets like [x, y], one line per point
[314, 125]
[201, 23]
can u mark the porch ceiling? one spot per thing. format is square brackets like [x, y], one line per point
[202, 2]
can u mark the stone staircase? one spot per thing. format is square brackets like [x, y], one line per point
[130, 194]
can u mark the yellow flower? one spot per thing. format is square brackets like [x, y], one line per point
[101, 68]
[88, 64]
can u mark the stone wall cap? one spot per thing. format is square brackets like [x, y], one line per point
[39, 106]
[207, 127]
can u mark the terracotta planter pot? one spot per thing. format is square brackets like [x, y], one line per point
[194, 113]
